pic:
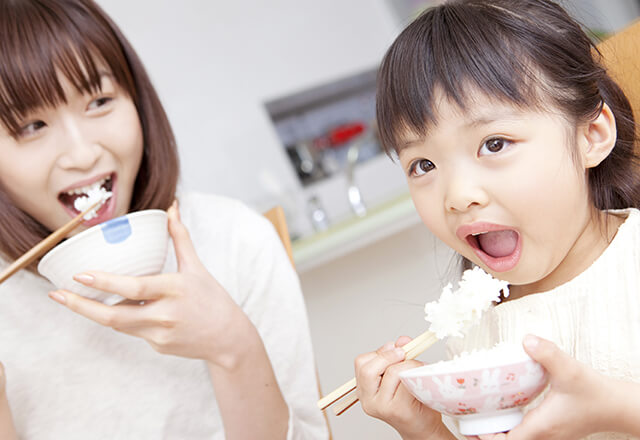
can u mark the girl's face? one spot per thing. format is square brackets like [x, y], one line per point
[59, 153]
[499, 185]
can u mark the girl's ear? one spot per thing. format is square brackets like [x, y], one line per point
[599, 138]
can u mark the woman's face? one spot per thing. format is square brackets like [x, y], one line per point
[499, 185]
[61, 152]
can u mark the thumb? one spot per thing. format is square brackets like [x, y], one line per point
[402, 341]
[546, 353]
[3, 378]
[185, 252]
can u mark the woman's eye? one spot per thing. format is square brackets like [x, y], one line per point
[99, 102]
[421, 167]
[31, 129]
[493, 145]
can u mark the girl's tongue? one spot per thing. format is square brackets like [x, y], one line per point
[498, 243]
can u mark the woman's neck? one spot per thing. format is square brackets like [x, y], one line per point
[592, 242]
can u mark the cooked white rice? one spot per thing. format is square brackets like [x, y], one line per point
[455, 312]
[95, 194]
[501, 354]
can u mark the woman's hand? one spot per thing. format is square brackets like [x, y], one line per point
[580, 401]
[3, 381]
[7, 430]
[383, 396]
[186, 314]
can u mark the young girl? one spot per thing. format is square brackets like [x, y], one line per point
[215, 347]
[519, 154]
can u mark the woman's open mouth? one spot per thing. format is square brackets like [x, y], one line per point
[73, 199]
[498, 247]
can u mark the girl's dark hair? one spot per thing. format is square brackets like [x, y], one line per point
[38, 39]
[525, 52]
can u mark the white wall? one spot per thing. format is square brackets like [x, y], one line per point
[215, 63]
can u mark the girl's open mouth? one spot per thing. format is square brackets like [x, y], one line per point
[70, 199]
[499, 249]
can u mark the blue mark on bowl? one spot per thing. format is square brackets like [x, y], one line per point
[116, 230]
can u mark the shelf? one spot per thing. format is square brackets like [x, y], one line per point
[355, 233]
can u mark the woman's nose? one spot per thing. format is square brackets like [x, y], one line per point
[464, 192]
[78, 149]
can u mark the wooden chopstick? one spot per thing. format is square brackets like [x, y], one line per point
[46, 244]
[412, 349]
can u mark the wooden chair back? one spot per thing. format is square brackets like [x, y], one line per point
[620, 56]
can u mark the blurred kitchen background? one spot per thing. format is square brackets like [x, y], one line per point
[273, 103]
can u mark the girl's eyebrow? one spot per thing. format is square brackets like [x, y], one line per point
[409, 144]
[489, 119]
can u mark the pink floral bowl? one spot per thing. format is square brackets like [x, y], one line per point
[485, 390]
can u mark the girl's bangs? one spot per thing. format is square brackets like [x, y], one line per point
[451, 53]
[51, 42]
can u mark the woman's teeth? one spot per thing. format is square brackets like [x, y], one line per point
[85, 189]
[81, 198]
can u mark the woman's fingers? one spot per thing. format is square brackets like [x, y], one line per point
[3, 378]
[117, 317]
[186, 255]
[142, 288]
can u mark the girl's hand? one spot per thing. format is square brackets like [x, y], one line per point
[579, 401]
[383, 396]
[186, 314]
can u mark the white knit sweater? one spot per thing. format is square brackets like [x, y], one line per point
[595, 317]
[70, 378]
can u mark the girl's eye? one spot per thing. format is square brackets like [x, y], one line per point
[31, 129]
[99, 102]
[493, 145]
[421, 167]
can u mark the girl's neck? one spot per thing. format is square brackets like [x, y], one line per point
[592, 242]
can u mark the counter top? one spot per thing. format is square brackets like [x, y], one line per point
[355, 233]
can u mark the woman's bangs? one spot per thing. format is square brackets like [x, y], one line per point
[41, 51]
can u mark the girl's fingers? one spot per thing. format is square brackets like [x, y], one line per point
[142, 288]
[118, 316]
[554, 360]
[369, 374]
[403, 340]
[390, 383]
[367, 357]
[186, 255]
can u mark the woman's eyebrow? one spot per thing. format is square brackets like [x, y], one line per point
[102, 73]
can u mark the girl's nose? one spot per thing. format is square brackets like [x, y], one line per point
[464, 193]
[78, 149]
